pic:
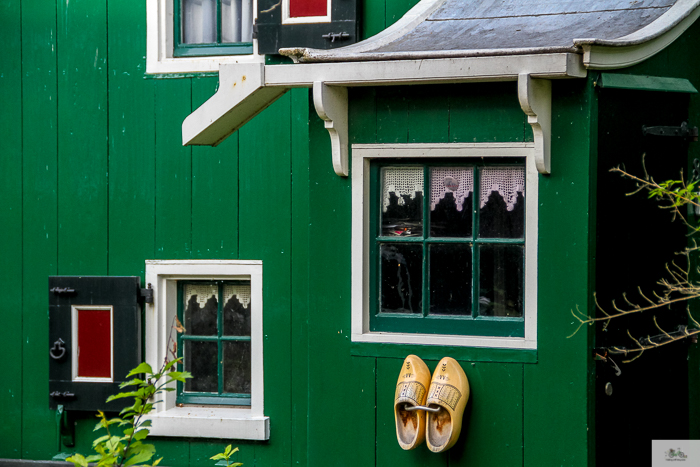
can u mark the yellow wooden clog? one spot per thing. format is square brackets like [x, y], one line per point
[411, 390]
[449, 391]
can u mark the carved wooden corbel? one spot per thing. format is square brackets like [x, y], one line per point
[331, 104]
[535, 97]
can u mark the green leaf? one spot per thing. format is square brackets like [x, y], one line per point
[122, 395]
[217, 457]
[177, 376]
[157, 461]
[145, 423]
[141, 434]
[77, 460]
[144, 453]
[131, 382]
[99, 440]
[142, 368]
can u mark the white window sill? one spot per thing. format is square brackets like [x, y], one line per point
[215, 422]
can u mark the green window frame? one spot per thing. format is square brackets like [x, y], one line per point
[473, 246]
[220, 396]
[183, 49]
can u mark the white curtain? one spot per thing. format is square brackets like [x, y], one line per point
[199, 21]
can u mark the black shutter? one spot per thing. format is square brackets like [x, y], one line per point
[123, 294]
[273, 35]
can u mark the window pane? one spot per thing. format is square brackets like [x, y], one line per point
[451, 279]
[402, 201]
[201, 307]
[201, 360]
[198, 21]
[237, 310]
[451, 201]
[237, 367]
[501, 280]
[236, 21]
[401, 278]
[502, 213]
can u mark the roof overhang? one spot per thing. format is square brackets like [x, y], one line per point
[246, 90]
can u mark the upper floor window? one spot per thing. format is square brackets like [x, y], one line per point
[213, 27]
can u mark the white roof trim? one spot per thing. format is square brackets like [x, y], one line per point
[643, 44]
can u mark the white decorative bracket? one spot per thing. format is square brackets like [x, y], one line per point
[535, 97]
[331, 104]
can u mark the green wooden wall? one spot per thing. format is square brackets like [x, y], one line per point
[95, 181]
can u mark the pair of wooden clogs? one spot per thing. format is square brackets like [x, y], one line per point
[445, 401]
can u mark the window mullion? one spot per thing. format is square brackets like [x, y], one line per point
[218, 21]
[219, 344]
[476, 203]
[426, 235]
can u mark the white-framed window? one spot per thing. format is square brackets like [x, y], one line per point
[444, 244]
[196, 36]
[203, 416]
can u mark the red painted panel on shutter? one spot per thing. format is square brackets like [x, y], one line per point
[94, 343]
[303, 8]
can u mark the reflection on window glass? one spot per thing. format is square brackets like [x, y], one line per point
[451, 279]
[402, 202]
[237, 367]
[201, 359]
[501, 277]
[401, 272]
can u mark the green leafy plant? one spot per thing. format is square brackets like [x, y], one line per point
[224, 458]
[123, 445]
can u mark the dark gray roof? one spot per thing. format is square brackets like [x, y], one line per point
[451, 28]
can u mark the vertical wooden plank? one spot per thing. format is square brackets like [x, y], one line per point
[486, 112]
[82, 137]
[362, 113]
[493, 420]
[373, 17]
[173, 165]
[11, 217]
[395, 9]
[39, 223]
[131, 142]
[265, 222]
[428, 115]
[300, 108]
[338, 382]
[392, 115]
[214, 189]
[563, 365]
